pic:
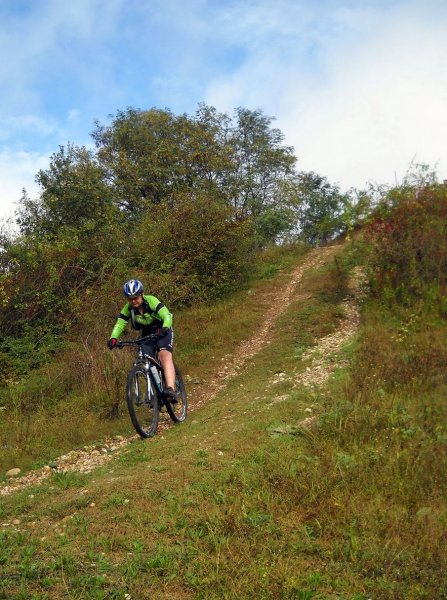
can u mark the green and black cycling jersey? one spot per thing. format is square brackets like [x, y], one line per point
[155, 315]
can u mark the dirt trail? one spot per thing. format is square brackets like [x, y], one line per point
[324, 357]
[235, 363]
[91, 457]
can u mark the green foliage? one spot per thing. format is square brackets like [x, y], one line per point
[408, 245]
[195, 251]
[149, 156]
[43, 283]
[152, 157]
[260, 166]
[323, 211]
[64, 247]
[74, 195]
[272, 223]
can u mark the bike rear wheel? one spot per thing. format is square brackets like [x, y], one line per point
[142, 402]
[178, 411]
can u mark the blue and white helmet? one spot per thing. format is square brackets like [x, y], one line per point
[133, 288]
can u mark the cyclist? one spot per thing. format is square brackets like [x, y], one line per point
[149, 315]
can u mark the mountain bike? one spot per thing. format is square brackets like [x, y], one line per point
[144, 391]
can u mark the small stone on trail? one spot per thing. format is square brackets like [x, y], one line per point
[13, 472]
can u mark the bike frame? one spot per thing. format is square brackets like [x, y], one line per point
[146, 360]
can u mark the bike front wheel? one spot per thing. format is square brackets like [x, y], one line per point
[142, 402]
[178, 410]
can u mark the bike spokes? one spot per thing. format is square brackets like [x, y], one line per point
[142, 402]
[177, 410]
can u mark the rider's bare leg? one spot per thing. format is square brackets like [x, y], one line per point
[168, 366]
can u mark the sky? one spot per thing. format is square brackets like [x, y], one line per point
[358, 87]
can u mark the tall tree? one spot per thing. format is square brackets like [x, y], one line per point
[261, 163]
[321, 209]
[152, 156]
[74, 193]
[149, 156]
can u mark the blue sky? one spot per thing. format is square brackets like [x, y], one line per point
[358, 87]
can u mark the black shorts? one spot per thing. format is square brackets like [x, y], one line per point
[163, 343]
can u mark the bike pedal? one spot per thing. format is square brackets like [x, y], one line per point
[169, 398]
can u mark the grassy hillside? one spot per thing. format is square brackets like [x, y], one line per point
[241, 501]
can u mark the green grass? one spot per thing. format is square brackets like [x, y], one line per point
[240, 502]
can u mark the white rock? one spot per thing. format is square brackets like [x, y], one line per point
[13, 472]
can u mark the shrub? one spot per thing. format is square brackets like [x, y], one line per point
[408, 247]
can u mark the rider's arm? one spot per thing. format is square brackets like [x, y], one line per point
[121, 322]
[161, 311]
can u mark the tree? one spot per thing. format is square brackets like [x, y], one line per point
[261, 164]
[150, 156]
[321, 210]
[194, 251]
[65, 244]
[73, 194]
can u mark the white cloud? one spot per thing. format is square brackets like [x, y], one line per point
[383, 106]
[17, 171]
[73, 115]
[48, 40]
[25, 124]
[374, 102]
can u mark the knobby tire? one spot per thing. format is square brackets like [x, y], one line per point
[142, 402]
[178, 411]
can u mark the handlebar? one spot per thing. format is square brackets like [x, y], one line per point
[153, 337]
